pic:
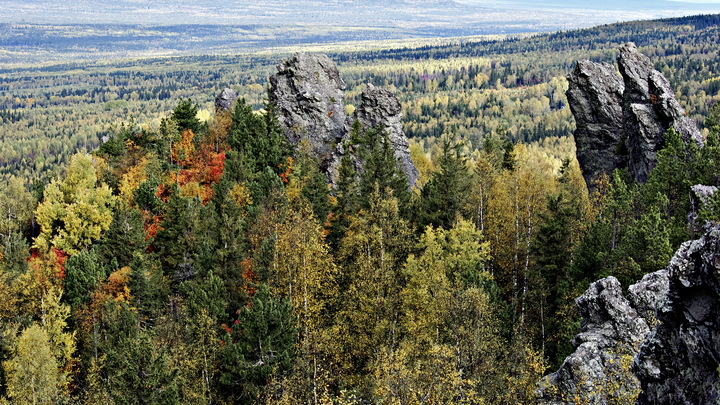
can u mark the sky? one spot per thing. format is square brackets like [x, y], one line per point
[546, 14]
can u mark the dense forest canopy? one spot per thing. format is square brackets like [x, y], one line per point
[154, 250]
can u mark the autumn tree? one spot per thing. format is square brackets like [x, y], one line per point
[375, 244]
[33, 375]
[76, 210]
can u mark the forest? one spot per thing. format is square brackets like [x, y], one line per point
[157, 251]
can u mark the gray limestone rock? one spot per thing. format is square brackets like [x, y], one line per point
[595, 93]
[622, 123]
[650, 109]
[380, 108]
[225, 100]
[648, 295]
[675, 316]
[701, 196]
[678, 362]
[308, 95]
[610, 328]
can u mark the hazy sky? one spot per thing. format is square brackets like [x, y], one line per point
[543, 14]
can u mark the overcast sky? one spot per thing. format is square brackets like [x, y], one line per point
[548, 14]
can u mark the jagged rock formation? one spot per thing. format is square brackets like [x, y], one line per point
[675, 316]
[678, 362]
[380, 108]
[225, 100]
[308, 95]
[595, 94]
[649, 109]
[611, 328]
[633, 125]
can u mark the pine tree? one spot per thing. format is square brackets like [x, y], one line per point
[185, 115]
[444, 196]
[258, 345]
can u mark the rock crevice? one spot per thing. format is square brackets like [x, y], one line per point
[308, 94]
[678, 362]
[612, 330]
[622, 118]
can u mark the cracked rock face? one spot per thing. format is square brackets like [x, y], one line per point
[595, 94]
[380, 108]
[670, 322]
[678, 362]
[611, 328]
[627, 115]
[650, 108]
[308, 95]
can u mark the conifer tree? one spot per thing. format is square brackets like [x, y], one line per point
[445, 195]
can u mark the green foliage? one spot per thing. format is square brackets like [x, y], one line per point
[83, 273]
[257, 138]
[443, 197]
[260, 344]
[185, 115]
[466, 310]
[380, 166]
[135, 369]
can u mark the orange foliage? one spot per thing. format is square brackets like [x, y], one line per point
[288, 166]
[151, 224]
[202, 166]
[184, 149]
[48, 269]
[114, 289]
[249, 275]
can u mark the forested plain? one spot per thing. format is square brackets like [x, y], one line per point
[155, 250]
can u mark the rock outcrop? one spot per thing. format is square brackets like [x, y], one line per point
[381, 109]
[632, 125]
[308, 95]
[678, 362]
[701, 197]
[649, 109]
[595, 95]
[611, 332]
[225, 100]
[670, 322]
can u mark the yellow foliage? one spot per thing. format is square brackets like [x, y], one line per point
[32, 374]
[75, 210]
[132, 180]
[241, 195]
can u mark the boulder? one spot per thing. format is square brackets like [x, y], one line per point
[225, 100]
